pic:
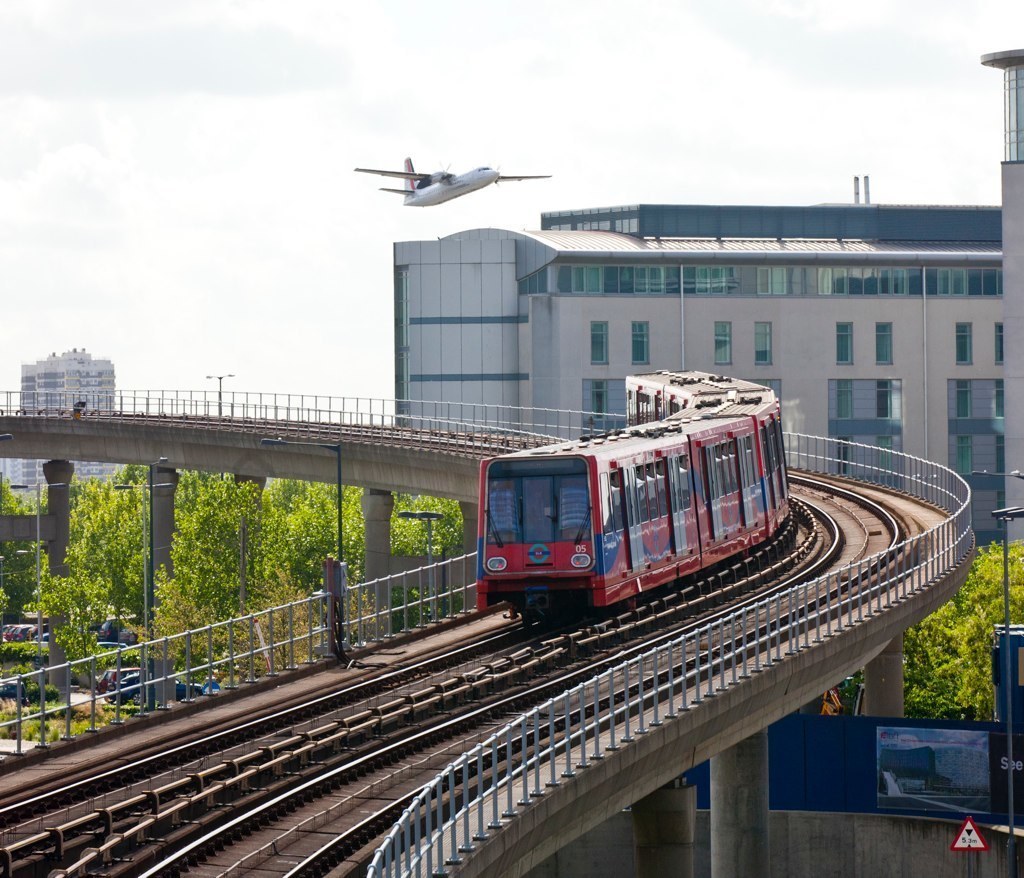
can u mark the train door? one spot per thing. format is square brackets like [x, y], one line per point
[632, 487]
[713, 490]
[772, 498]
[614, 521]
[679, 491]
[749, 483]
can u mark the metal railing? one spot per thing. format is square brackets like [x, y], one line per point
[545, 747]
[186, 666]
[183, 667]
[243, 410]
[383, 608]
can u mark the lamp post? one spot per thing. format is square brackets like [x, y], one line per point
[429, 517]
[220, 389]
[147, 542]
[1010, 513]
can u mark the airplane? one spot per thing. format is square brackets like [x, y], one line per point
[425, 190]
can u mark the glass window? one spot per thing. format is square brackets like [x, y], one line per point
[611, 278]
[1000, 454]
[964, 455]
[723, 342]
[844, 344]
[883, 399]
[641, 341]
[884, 444]
[844, 398]
[538, 512]
[964, 347]
[843, 454]
[883, 344]
[573, 513]
[999, 344]
[762, 344]
[598, 341]
[502, 520]
[771, 281]
[963, 399]
[998, 398]
[626, 279]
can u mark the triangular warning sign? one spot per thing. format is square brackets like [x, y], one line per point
[968, 838]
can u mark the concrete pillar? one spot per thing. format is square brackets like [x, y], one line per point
[470, 511]
[377, 509]
[883, 681]
[58, 473]
[739, 810]
[163, 520]
[664, 824]
[259, 481]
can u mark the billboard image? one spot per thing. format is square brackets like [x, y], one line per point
[932, 769]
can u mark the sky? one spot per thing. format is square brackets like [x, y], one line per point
[176, 184]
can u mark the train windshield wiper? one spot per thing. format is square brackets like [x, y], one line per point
[494, 530]
[583, 526]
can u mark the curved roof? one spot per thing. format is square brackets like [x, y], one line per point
[535, 249]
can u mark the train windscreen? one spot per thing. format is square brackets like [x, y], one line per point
[537, 501]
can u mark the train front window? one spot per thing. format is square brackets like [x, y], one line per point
[537, 501]
[502, 512]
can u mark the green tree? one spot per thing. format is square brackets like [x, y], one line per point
[19, 585]
[106, 545]
[947, 657]
[80, 599]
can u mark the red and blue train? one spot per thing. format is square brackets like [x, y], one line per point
[698, 477]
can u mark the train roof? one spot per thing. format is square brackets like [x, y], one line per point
[713, 401]
[701, 389]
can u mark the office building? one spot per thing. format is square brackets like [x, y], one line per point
[60, 382]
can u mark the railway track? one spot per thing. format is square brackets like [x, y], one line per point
[339, 767]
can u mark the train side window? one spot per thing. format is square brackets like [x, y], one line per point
[615, 499]
[661, 478]
[684, 481]
[641, 493]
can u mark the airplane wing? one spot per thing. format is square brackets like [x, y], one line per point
[404, 175]
[503, 177]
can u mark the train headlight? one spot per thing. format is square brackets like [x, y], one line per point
[580, 559]
[496, 565]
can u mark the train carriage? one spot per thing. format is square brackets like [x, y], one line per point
[594, 522]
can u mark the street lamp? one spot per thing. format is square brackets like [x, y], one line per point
[220, 388]
[429, 517]
[334, 447]
[147, 538]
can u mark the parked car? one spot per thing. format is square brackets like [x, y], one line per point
[22, 634]
[13, 691]
[108, 679]
[130, 691]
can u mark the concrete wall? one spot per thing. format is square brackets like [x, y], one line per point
[803, 845]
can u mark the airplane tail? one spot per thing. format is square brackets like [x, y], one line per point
[410, 185]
